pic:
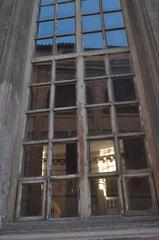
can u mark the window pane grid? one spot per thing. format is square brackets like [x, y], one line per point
[113, 125]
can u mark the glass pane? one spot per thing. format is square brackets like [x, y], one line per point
[66, 10]
[120, 63]
[65, 69]
[64, 201]
[89, 6]
[91, 23]
[35, 160]
[133, 153]
[45, 29]
[96, 91]
[64, 159]
[116, 39]
[65, 44]
[128, 119]
[47, 1]
[37, 127]
[46, 13]
[42, 73]
[102, 156]
[65, 95]
[92, 41]
[99, 122]
[94, 66]
[44, 47]
[65, 124]
[109, 5]
[104, 196]
[113, 20]
[65, 26]
[124, 89]
[40, 97]
[61, 1]
[139, 193]
[31, 203]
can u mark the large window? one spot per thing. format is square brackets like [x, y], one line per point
[84, 151]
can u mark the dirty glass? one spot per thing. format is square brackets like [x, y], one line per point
[64, 159]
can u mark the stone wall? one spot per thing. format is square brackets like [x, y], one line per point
[15, 20]
[152, 7]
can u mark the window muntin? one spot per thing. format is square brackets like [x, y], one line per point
[103, 84]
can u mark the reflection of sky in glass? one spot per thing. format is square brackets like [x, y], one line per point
[65, 44]
[45, 29]
[60, 1]
[109, 5]
[66, 10]
[90, 6]
[45, 42]
[47, 1]
[66, 26]
[67, 40]
[46, 13]
[116, 39]
[91, 23]
[114, 20]
[93, 41]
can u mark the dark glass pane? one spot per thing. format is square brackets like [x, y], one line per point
[102, 156]
[133, 153]
[65, 26]
[124, 89]
[64, 159]
[65, 69]
[65, 95]
[139, 193]
[99, 122]
[113, 20]
[65, 124]
[37, 127]
[91, 23]
[40, 97]
[120, 63]
[116, 39]
[44, 47]
[31, 203]
[89, 6]
[128, 119]
[65, 44]
[42, 73]
[92, 41]
[66, 10]
[104, 196]
[47, 1]
[35, 160]
[96, 91]
[110, 5]
[64, 201]
[45, 29]
[46, 13]
[94, 66]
